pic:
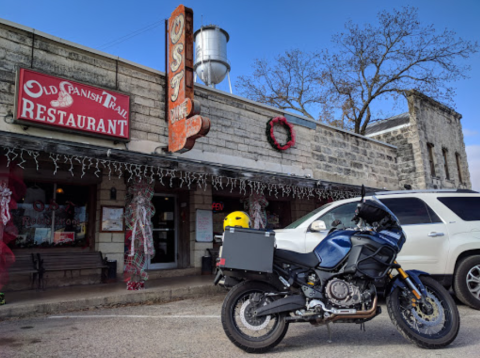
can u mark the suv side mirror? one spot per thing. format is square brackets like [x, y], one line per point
[318, 225]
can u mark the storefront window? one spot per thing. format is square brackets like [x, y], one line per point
[51, 215]
[277, 212]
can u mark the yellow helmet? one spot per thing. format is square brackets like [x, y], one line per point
[237, 219]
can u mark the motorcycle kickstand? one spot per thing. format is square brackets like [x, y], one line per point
[362, 327]
[329, 333]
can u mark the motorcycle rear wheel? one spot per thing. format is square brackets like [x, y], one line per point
[250, 333]
[427, 328]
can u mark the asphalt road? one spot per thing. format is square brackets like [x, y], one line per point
[192, 328]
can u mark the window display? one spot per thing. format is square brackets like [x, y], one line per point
[51, 215]
[276, 212]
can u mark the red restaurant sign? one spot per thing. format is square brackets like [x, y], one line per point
[53, 102]
[184, 123]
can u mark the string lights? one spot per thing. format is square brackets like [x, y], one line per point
[140, 172]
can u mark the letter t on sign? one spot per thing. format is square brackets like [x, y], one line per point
[185, 124]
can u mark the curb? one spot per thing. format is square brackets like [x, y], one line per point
[137, 297]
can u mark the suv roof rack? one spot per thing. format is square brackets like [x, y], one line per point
[422, 191]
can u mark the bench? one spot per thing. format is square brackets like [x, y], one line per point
[25, 264]
[70, 261]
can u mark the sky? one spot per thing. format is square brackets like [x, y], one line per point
[134, 30]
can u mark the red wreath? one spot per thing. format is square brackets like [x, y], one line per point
[271, 136]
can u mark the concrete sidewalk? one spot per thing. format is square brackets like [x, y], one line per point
[74, 298]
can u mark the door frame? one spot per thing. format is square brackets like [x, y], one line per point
[174, 264]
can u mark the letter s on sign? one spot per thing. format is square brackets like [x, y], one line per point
[30, 84]
[177, 57]
[175, 84]
[178, 25]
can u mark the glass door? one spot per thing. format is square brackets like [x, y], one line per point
[164, 224]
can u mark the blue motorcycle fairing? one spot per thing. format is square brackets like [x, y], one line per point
[394, 237]
[414, 275]
[332, 250]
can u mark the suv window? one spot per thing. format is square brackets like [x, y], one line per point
[344, 213]
[467, 208]
[411, 211]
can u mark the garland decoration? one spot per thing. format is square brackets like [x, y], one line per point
[271, 136]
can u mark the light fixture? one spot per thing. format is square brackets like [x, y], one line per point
[8, 118]
[59, 191]
[166, 198]
[113, 193]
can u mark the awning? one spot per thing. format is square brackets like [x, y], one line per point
[143, 161]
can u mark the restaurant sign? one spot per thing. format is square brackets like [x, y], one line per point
[56, 103]
[185, 124]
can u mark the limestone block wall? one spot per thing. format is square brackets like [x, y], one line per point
[441, 126]
[434, 123]
[200, 199]
[410, 161]
[347, 158]
[112, 245]
[237, 135]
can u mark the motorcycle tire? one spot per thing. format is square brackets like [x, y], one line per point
[432, 328]
[250, 333]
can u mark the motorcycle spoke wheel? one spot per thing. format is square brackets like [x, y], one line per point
[251, 327]
[427, 324]
[241, 325]
[434, 325]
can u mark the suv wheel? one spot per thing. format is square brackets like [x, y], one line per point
[466, 282]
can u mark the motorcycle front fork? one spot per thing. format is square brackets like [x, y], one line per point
[415, 291]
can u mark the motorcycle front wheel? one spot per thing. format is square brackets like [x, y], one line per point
[432, 326]
[245, 330]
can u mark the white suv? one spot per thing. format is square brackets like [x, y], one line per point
[442, 229]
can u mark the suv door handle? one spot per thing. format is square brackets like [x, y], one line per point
[434, 234]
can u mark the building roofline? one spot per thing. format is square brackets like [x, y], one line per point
[433, 102]
[146, 68]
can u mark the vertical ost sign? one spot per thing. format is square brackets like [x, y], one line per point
[185, 124]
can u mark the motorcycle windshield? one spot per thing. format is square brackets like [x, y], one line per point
[394, 217]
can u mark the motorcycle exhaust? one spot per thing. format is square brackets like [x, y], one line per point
[358, 315]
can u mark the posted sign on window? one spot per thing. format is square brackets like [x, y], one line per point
[53, 102]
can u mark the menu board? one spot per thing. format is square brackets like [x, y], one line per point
[204, 226]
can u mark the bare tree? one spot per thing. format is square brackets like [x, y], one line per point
[366, 63]
[292, 83]
[396, 56]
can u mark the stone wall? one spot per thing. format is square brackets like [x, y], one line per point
[199, 199]
[112, 245]
[440, 126]
[347, 158]
[410, 162]
[237, 135]
[429, 123]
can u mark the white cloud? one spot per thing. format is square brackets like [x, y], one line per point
[469, 133]
[473, 156]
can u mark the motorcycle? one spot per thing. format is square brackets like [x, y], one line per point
[336, 284]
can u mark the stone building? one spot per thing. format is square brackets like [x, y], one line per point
[219, 175]
[430, 147]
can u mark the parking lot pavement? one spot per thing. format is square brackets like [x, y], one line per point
[192, 328]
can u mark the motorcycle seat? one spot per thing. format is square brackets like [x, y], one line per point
[309, 260]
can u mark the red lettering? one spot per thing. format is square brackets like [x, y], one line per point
[38, 206]
[27, 221]
[52, 205]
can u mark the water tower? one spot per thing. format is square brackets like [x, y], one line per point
[211, 63]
